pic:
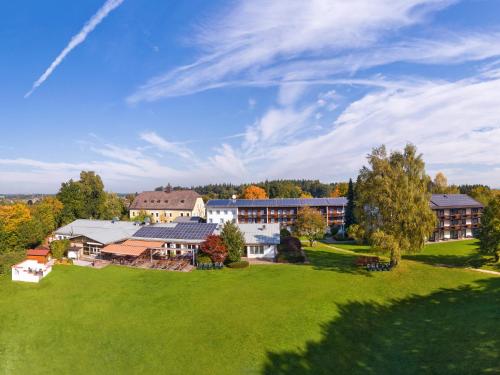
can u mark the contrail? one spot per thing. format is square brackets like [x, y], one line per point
[91, 24]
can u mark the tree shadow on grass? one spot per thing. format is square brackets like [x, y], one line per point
[338, 262]
[452, 331]
[474, 260]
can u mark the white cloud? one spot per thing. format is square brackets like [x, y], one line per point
[256, 34]
[164, 145]
[79, 38]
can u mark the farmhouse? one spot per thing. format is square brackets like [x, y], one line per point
[166, 206]
[88, 237]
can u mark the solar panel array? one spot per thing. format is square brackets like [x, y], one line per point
[282, 202]
[454, 200]
[182, 231]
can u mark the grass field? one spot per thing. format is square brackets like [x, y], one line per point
[324, 318]
[453, 253]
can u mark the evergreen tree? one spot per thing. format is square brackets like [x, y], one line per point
[393, 201]
[351, 203]
[234, 240]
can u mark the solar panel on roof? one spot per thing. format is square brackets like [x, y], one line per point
[282, 202]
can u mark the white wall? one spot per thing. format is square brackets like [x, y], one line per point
[219, 215]
[20, 271]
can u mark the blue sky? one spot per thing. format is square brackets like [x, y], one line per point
[192, 92]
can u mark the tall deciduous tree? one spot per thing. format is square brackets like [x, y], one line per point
[349, 210]
[254, 192]
[82, 199]
[489, 235]
[310, 223]
[48, 213]
[234, 240]
[440, 184]
[393, 200]
[214, 247]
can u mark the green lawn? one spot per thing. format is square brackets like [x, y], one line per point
[453, 253]
[324, 318]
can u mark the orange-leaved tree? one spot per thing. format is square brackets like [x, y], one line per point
[214, 247]
[254, 192]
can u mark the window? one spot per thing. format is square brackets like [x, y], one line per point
[157, 214]
[182, 200]
[158, 201]
[225, 212]
[182, 213]
[234, 221]
[272, 211]
[221, 221]
[133, 213]
[255, 250]
[187, 214]
[152, 201]
[272, 220]
[217, 212]
[166, 200]
[210, 220]
[210, 212]
[279, 211]
[145, 201]
[171, 214]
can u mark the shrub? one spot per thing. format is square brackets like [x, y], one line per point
[240, 264]
[59, 248]
[290, 250]
[290, 244]
[334, 230]
[203, 258]
[285, 233]
[9, 259]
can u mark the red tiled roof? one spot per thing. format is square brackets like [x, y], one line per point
[161, 200]
[38, 252]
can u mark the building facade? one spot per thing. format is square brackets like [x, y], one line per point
[273, 211]
[88, 237]
[166, 206]
[458, 216]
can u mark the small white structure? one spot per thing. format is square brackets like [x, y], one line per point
[30, 271]
[261, 240]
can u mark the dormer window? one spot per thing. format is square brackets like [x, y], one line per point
[182, 200]
[145, 201]
[152, 201]
[158, 201]
[166, 200]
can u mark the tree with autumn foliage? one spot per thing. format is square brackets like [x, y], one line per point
[310, 223]
[254, 192]
[215, 248]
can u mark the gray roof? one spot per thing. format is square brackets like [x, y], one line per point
[452, 201]
[177, 231]
[265, 234]
[102, 231]
[278, 202]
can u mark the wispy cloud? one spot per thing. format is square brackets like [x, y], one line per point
[167, 146]
[256, 44]
[79, 38]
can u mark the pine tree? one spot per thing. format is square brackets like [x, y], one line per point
[233, 239]
[351, 204]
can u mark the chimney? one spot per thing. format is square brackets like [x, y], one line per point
[168, 188]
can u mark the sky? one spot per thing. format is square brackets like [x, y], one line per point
[194, 92]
